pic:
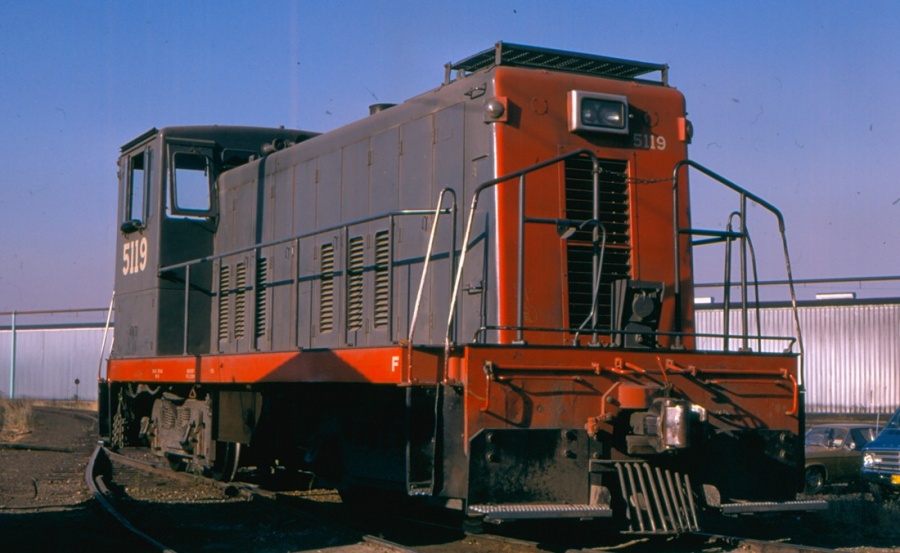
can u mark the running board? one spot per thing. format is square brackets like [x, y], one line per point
[519, 511]
[773, 507]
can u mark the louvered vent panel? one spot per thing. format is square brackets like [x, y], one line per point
[382, 278]
[262, 294]
[614, 213]
[240, 300]
[224, 292]
[326, 298]
[355, 266]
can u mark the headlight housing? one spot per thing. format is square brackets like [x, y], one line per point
[596, 112]
[868, 460]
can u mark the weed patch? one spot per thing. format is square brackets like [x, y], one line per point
[16, 419]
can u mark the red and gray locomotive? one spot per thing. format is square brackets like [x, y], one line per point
[481, 297]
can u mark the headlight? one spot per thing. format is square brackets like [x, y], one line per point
[675, 425]
[591, 111]
[602, 113]
[868, 460]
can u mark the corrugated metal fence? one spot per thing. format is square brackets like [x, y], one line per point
[851, 352]
[49, 361]
[851, 355]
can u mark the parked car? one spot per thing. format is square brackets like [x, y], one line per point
[834, 454]
[881, 459]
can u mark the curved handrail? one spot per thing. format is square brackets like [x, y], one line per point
[468, 231]
[427, 261]
[744, 196]
[186, 265]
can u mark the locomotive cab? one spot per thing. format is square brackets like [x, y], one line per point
[168, 214]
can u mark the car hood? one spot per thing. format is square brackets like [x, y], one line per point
[888, 439]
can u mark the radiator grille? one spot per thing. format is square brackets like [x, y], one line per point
[614, 214]
[887, 461]
[262, 295]
[240, 300]
[355, 267]
[382, 278]
[224, 292]
[326, 297]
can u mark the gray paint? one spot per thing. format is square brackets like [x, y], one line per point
[385, 163]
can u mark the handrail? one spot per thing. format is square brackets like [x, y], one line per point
[112, 302]
[791, 340]
[458, 267]
[426, 263]
[186, 265]
[332, 228]
[744, 196]
[595, 289]
[468, 231]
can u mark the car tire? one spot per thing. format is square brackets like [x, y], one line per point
[814, 480]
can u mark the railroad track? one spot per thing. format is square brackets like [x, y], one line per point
[761, 546]
[187, 512]
[235, 517]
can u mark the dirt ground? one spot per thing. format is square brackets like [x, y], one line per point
[45, 504]
[44, 468]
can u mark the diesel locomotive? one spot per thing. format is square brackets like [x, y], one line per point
[481, 297]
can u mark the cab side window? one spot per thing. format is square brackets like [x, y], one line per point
[191, 184]
[137, 204]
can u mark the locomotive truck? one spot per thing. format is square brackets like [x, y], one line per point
[481, 297]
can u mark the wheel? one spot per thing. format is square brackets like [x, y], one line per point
[815, 480]
[176, 462]
[473, 524]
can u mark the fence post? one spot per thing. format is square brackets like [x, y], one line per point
[12, 360]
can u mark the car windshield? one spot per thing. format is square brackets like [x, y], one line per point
[861, 436]
[895, 421]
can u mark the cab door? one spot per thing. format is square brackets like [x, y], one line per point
[137, 251]
[167, 221]
[188, 227]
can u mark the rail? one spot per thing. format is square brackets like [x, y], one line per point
[760, 338]
[296, 279]
[427, 262]
[746, 248]
[736, 230]
[520, 254]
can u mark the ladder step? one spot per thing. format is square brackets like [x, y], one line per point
[773, 506]
[518, 511]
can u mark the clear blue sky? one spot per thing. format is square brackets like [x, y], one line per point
[796, 101]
